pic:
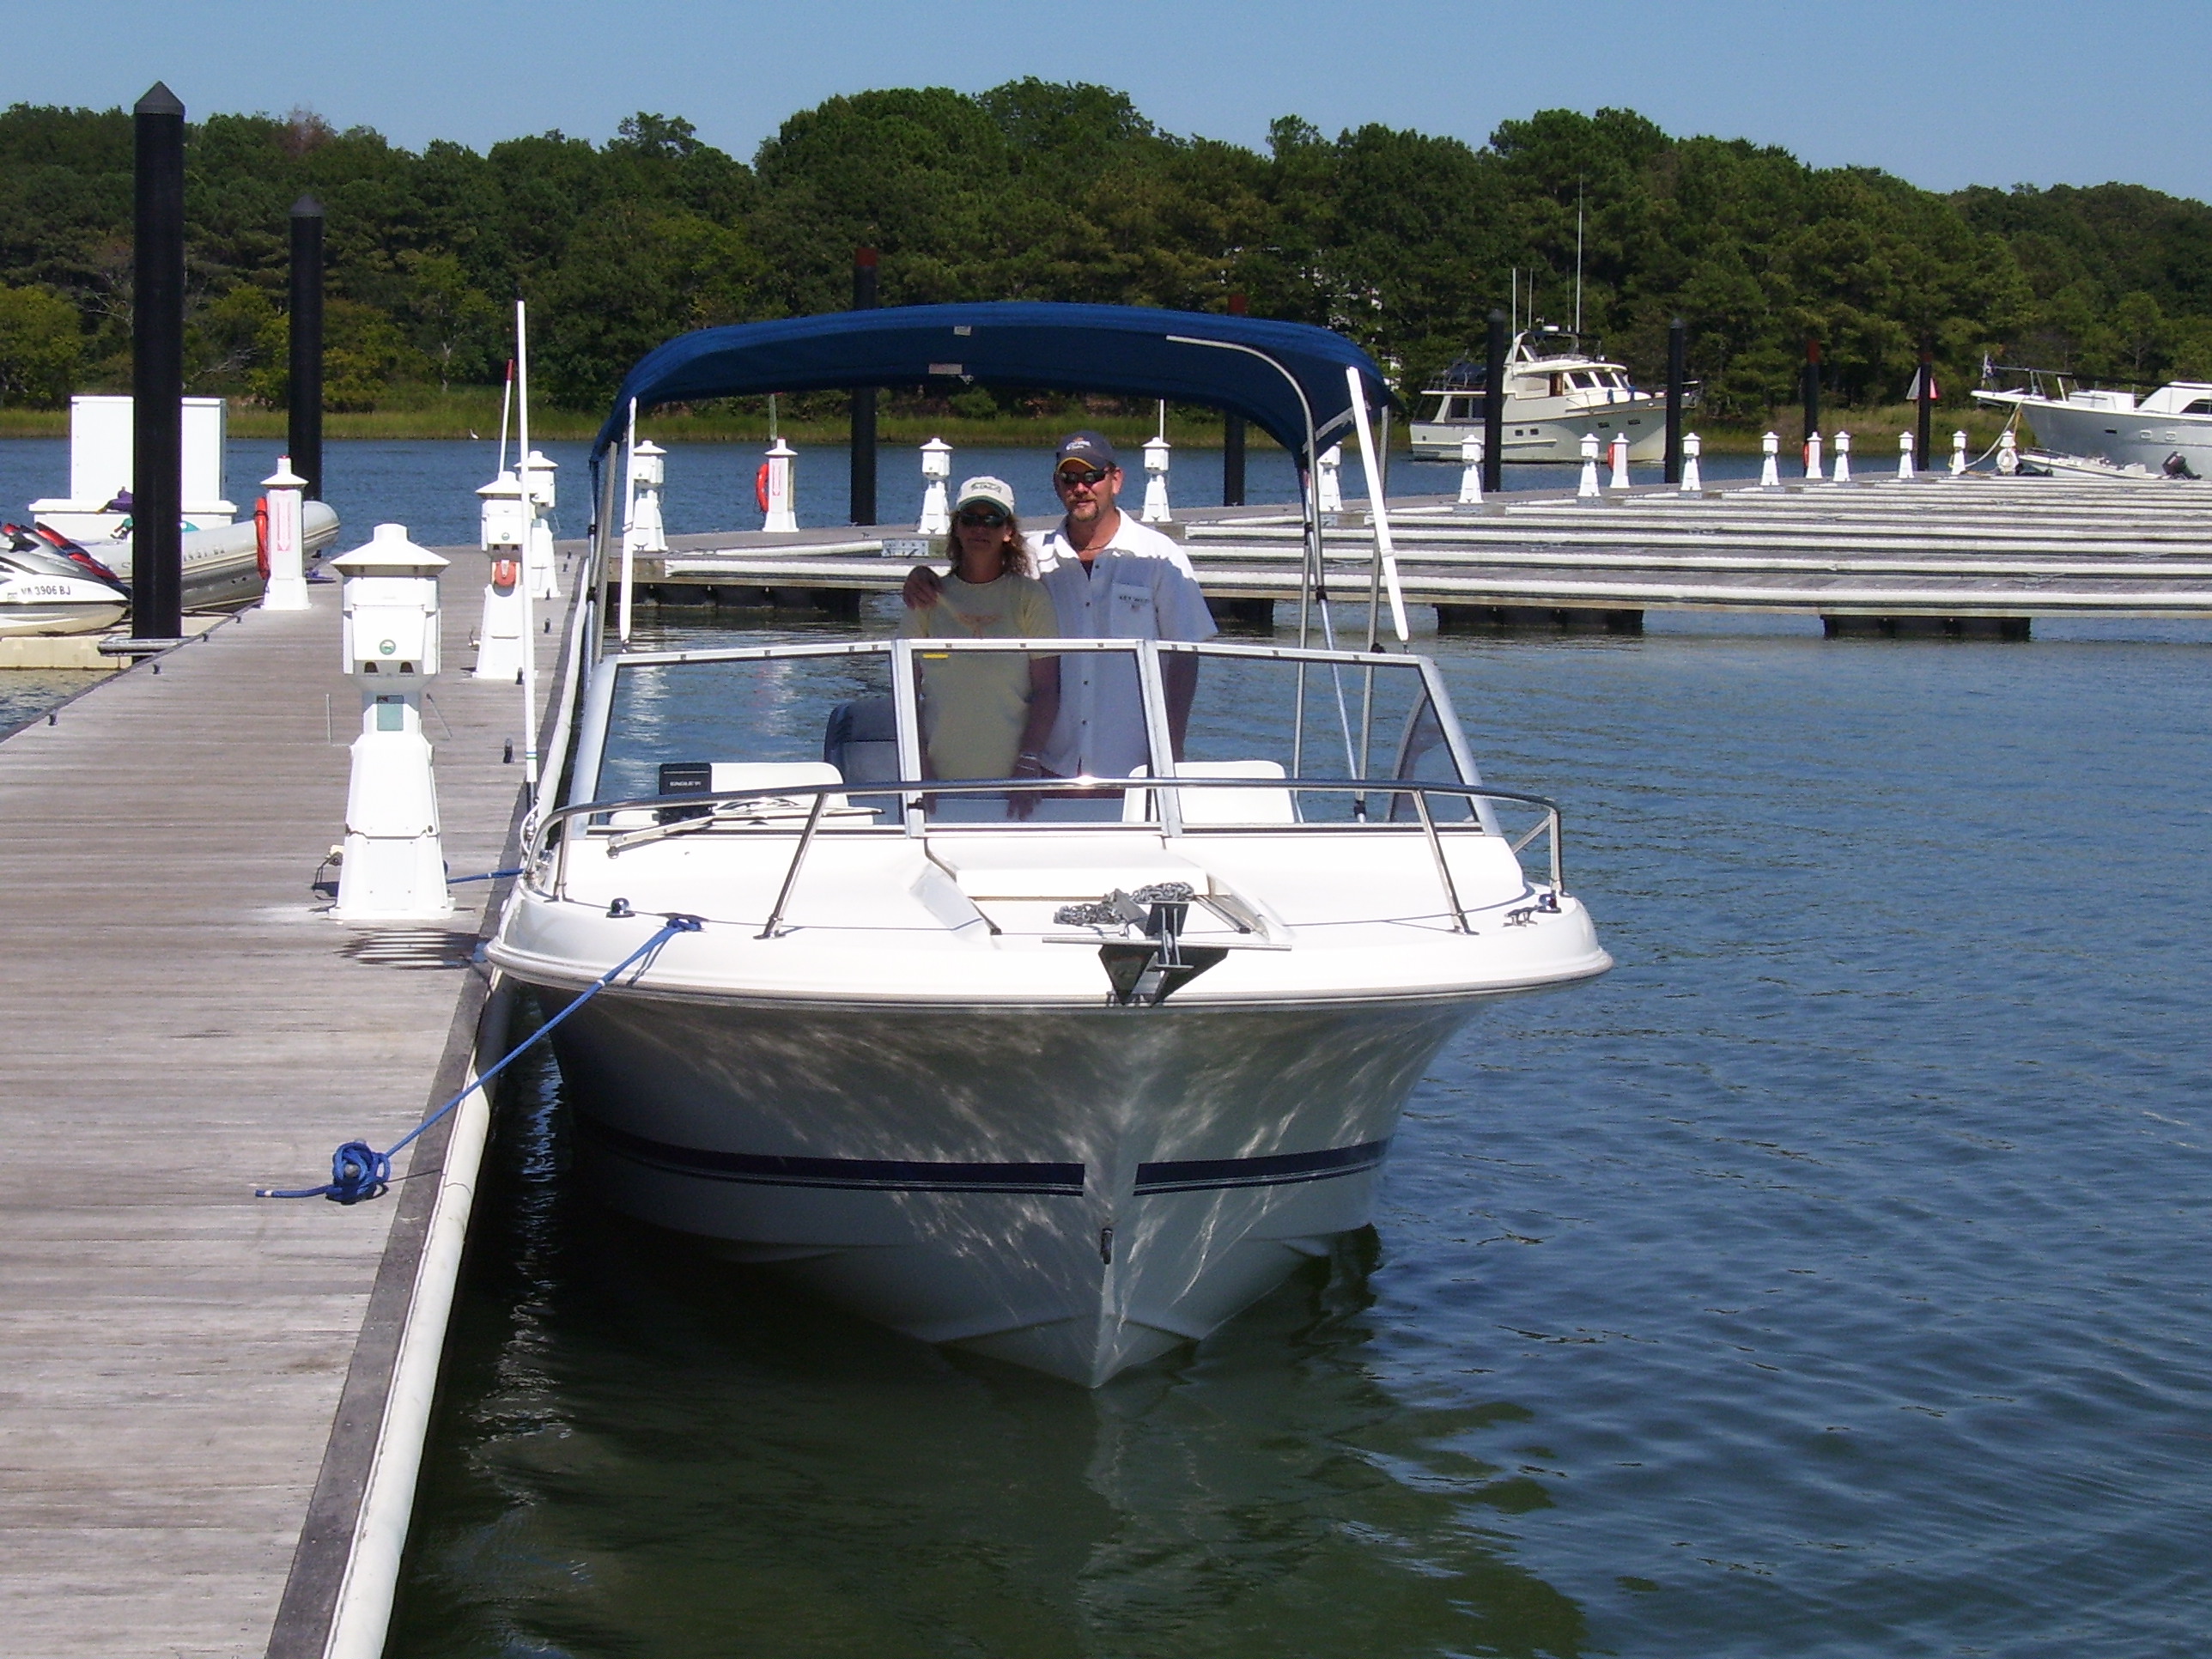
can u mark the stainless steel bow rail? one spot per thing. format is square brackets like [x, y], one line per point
[786, 808]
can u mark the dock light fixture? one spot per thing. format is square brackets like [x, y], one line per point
[502, 535]
[393, 868]
[287, 587]
[936, 518]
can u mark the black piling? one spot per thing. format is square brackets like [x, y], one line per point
[1678, 343]
[157, 370]
[1923, 460]
[304, 392]
[1232, 438]
[1812, 388]
[864, 400]
[1493, 407]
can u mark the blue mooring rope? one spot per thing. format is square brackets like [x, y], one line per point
[488, 875]
[358, 1170]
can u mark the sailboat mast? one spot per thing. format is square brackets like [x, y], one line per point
[1578, 257]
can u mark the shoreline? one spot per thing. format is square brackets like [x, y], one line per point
[464, 419]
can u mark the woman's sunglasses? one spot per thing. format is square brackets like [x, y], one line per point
[988, 518]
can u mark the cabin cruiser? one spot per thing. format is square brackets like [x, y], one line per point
[1066, 1072]
[2170, 425]
[1555, 392]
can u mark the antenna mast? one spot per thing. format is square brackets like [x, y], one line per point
[1578, 256]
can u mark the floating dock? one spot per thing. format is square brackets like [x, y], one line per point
[1974, 554]
[193, 1381]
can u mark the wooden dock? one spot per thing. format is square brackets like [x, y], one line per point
[191, 1378]
[1977, 554]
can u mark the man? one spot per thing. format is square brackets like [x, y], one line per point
[1109, 578]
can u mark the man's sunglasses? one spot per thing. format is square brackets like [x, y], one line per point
[987, 518]
[1080, 474]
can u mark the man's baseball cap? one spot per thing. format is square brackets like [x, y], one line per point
[997, 491]
[1089, 447]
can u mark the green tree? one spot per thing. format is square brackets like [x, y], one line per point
[40, 347]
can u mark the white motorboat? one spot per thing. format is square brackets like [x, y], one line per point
[49, 585]
[223, 564]
[1062, 1071]
[2170, 425]
[1555, 393]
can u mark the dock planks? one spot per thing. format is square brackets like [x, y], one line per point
[182, 1024]
[1975, 547]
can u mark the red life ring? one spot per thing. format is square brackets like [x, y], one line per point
[760, 487]
[505, 572]
[261, 535]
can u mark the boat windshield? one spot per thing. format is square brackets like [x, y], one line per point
[959, 712]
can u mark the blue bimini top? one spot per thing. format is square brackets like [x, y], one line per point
[1186, 356]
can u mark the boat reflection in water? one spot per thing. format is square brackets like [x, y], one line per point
[658, 1454]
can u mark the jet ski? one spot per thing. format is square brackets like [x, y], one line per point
[50, 584]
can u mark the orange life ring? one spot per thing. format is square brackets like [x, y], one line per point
[505, 572]
[760, 487]
[261, 535]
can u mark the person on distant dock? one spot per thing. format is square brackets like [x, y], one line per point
[1109, 578]
[986, 715]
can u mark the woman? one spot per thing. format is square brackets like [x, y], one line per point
[986, 715]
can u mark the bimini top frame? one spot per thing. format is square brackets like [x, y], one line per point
[1287, 379]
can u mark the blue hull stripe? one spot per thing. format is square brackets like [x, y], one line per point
[1196, 1175]
[849, 1174]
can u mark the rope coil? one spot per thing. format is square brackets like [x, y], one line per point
[359, 1171]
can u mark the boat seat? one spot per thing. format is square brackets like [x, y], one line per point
[1208, 807]
[861, 740]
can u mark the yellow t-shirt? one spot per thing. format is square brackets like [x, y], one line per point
[973, 705]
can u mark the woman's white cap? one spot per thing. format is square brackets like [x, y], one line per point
[997, 491]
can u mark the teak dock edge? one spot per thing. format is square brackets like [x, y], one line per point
[194, 1381]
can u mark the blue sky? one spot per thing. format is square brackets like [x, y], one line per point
[1942, 92]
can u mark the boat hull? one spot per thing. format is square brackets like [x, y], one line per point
[1552, 440]
[1074, 1189]
[2134, 437]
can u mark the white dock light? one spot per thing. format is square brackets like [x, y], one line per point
[936, 467]
[1904, 454]
[1156, 481]
[1470, 478]
[1586, 490]
[537, 522]
[1328, 486]
[776, 487]
[1958, 454]
[1770, 471]
[1813, 456]
[1619, 458]
[1843, 472]
[500, 636]
[2008, 453]
[643, 528]
[1690, 484]
[645, 532]
[394, 868]
[287, 587]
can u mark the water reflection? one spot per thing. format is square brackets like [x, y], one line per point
[647, 1452]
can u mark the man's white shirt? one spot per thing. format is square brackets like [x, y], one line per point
[1138, 586]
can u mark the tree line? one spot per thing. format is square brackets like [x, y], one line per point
[1039, 191]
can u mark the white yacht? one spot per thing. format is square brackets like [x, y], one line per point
[2068, 420]
[1555, 392]
[1064, 1072]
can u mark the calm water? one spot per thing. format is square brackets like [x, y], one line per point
[1828, 1280]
